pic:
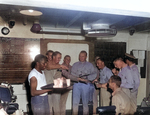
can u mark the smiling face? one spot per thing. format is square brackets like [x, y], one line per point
[57, 58]
[100, 64]
[115, 71]
[118, 64]
[82, 57]
[42, 64]
[67, 60]
[49, 56]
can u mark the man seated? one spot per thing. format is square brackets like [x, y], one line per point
[119, 98]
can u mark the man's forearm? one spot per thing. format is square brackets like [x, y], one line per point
[69, 76]
[51, 66]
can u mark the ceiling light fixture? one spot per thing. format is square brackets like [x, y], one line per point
[36, 27]
[31, 12]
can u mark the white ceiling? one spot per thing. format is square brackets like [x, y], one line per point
[73, 13]
[121, 7]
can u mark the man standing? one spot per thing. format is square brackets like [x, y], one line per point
[65, 94]
[54, 98]
[80, 89]
[49, 54]
[105, 74]
[136, 77]
[50, 65]
[67, 75]
[94, 90]
[125, 73]
[119, 98]
[36, 78]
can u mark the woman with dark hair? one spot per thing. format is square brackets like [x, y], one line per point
[36, 78]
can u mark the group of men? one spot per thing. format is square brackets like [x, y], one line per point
[84, 75]
[81, 73]
[124, 84]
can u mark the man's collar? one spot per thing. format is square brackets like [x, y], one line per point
[132, 65]
[118, 89]
[83, 61]
[103, 68]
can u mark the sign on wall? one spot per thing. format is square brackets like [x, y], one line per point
[16, 55]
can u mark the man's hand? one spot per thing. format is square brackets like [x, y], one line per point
[83, 80]
[63, 67]
[94, 81]
[104, 85]
[98, 85]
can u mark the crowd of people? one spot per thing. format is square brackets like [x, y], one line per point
[118, 85]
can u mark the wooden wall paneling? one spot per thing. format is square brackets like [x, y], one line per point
[15, 59]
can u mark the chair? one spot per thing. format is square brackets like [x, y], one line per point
[7, 98]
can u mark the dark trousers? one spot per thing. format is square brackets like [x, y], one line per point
[40, 105]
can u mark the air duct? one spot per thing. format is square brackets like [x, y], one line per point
[99, 30]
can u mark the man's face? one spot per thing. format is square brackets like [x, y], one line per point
[100, 64]
[114, 71]
[118, 64]
[67, 60]
[49, 56]
[57, 58]
[82, 57]
[42, 64]
[111, 85]
[127, 61]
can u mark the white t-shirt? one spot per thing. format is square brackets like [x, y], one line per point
[40, 79]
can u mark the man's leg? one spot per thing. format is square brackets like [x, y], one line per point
[56, 103]
[105, 97]
[76, 97]
[134, 101]
[38, 105]
[85, 97]
[46, 105]
[91, 91]
[63, 100]
[50, 103]
[95, 100]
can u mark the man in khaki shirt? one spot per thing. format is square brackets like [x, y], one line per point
[52, 73]
[119, 99]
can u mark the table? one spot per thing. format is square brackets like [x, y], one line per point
[57, 89]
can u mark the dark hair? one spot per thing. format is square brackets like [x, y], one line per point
[83, 51]
[116, 79]
[38, 58]
[118, 58]
[67, 56]
[49, 51]
[101, 59]
[112, 66]
[55, 53]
